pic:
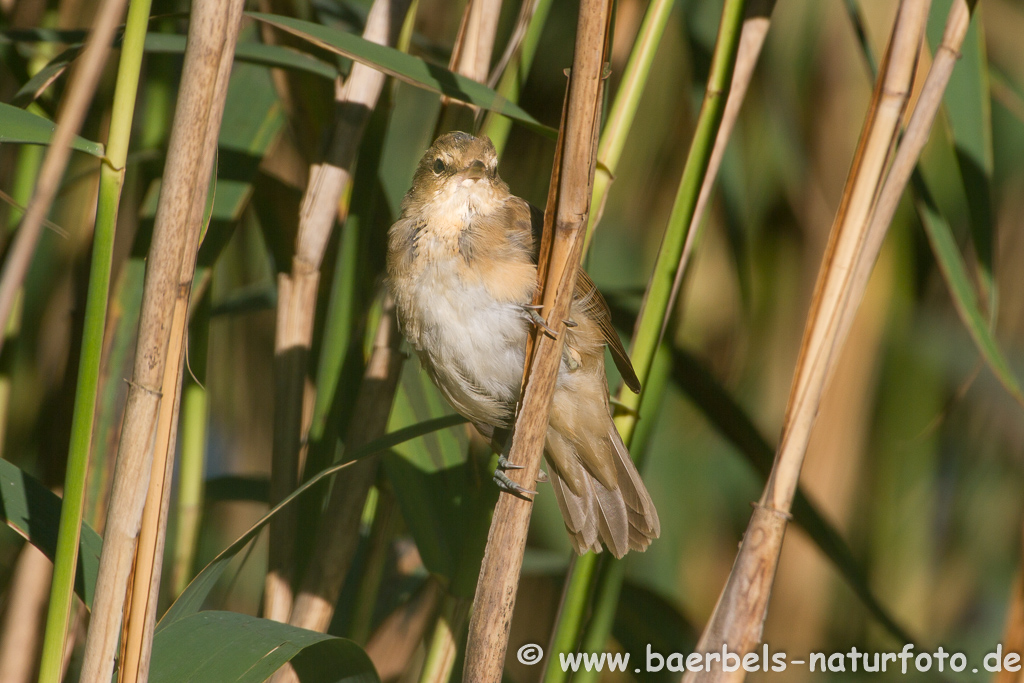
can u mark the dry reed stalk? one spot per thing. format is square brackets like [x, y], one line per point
[23, 621]
[475, 42]
[565, 221]
[297, 295]
[471, 57]
[75, 105]
[338, 533]
[914, 139]
[738, 617]
[84, 78]
[213, 30]
[752, 35]
[394, 643]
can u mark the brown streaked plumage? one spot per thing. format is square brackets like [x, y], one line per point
[462, 268]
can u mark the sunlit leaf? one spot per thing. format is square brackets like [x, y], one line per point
[18, 125]
[214, 647]
[33, 511]
[406, 67]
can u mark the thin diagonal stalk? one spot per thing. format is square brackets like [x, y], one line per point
[111, 180]
[568, 205]
[650, 324]
[739, 616]
[624, 107]
[498, 127]
[297, 295]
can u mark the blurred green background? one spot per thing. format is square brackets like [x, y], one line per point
[916, 456]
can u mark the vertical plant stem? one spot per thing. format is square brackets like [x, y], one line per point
[297, 295]
[111, 180]
[738, 618]
[657, 306]
[213, 30]
[561, 248]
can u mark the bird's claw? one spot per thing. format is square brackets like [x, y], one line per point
[537, 319]
[509, 486]
[570, 323]
[506, 464]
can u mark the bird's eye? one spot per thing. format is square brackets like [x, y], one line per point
[439, 165]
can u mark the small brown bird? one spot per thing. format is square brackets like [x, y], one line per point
[462, 267]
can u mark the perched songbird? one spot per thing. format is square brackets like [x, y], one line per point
[462, 268]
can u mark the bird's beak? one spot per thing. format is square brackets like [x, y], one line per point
[475, 171]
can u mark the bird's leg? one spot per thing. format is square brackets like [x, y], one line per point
[532, 313]
[506, 484]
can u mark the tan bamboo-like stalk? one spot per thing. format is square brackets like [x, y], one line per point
[752, 35]
[471, 57]
[738, 617]
[337, 535]
[74, 107]
[565, 223]
[213, 31]
[297, 294]
[23, 621]
[393, 645]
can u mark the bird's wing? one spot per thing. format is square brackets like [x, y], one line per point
[589, 299]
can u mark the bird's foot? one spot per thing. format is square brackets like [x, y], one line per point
[507, 485]
[533, 315]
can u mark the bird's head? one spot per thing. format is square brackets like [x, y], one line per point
[459, 169]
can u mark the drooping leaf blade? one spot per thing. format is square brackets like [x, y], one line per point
[405, 67]
[192, 599]
[18, 125]
[33, 511]
[214, 647]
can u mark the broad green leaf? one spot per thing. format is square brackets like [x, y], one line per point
[192, 599]
[218, 647]
[405, 67]
[18, 125]
[250, 52]
[33, 511]
[954, 271]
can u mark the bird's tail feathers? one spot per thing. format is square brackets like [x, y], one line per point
[621, 517]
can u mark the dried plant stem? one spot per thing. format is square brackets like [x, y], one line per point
[337, 535]
[738, 617]
[74, 107]
[562, 245]
[213, 30]
[752, 35]
[471, 57]
[297, 294]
